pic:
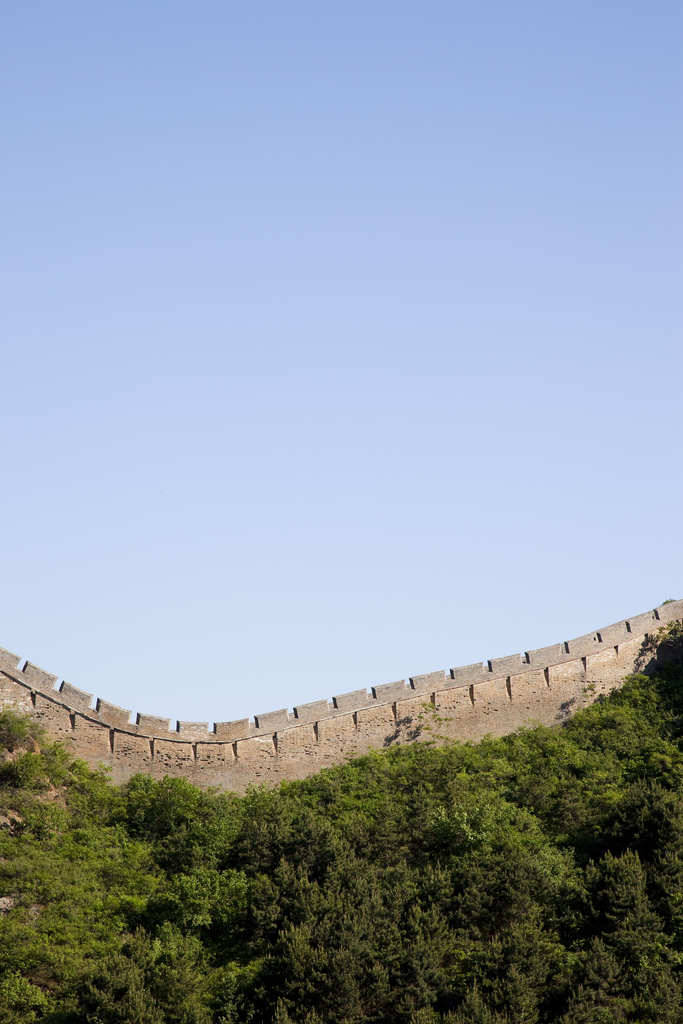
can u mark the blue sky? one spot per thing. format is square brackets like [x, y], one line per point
[341, 342]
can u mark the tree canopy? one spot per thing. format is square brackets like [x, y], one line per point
[533, 878]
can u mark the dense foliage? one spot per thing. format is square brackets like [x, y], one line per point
[528, 879]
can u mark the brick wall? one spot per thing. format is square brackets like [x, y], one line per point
[494, 697]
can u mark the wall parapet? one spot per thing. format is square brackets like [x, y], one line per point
[355, 720]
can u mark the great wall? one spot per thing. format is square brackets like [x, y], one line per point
[543, 686]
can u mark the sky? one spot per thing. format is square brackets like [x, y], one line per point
[340, 342]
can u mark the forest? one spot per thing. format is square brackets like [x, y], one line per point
[533, 878]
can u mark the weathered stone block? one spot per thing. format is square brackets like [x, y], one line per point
[390, 691]
[340, 725]
[615, 634]
[91, 741]
[209, 754]
[255, 749]
[173, 758]
[75, 698]
[456, 709]
[8, 660]
[544, 656]
[312, 712]
[195, 730]
[272, 719]
[429, 682]
[669, 612]
[152, 725]
[135, 752]
[492, 697]
[505, 666]
[532, 698]
[37, 678]
[112, 714]
[12, 695]
[351, 701]
[297, 741]
[238, 729]
[413, 717]
[645, 623]
[467, 674]
[53, 717]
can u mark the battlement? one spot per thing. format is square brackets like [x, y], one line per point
[493, 696]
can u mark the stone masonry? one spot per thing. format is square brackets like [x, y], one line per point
[539, 687]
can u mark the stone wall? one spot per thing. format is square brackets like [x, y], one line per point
[496, 697]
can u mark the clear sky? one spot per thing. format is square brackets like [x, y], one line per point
[341, 341]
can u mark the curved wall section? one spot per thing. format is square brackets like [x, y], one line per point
[493, 697]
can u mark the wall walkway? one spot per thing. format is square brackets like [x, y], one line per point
[543, 686]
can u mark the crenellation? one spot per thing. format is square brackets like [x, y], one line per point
[75, 698]
[8, 661]
[112, 714]
[152, 724]
[645, 623]
[272, 720]
[390, 691]
[311, 712]
[236, 730]
[544, 656]
[510, 665]
[467, 674]
[37, 678]
[428, 681]
[584, 645]
[669, 612]
[199, 730]
[545, 686]
[345, 702]
[615, 634]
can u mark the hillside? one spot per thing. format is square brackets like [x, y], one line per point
[533, 878]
